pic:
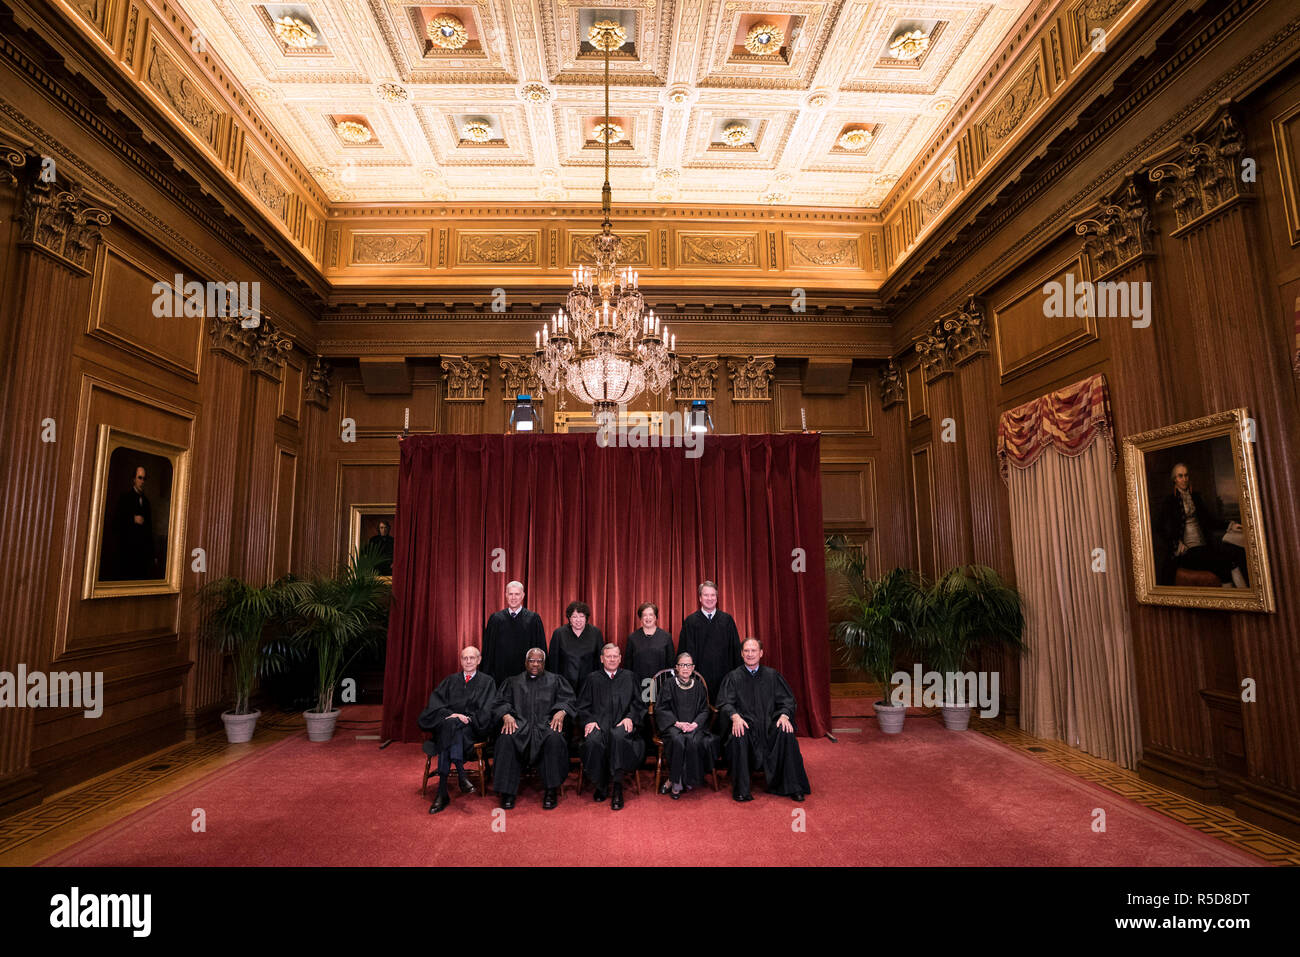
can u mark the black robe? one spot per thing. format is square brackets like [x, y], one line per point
[532, 702]
[476, 699]
[383, 548]
[760, 699]
[714, 645]
[647, 655]
[134, 545]
[690, 754]
[506, 641]
[575, 657]
[607, 701]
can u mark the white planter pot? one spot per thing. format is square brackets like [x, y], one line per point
[320, 724]
[890, 717]
[239, 727]
[956, 718]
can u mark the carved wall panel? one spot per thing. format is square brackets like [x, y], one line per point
[835, 252]
[498, 248]
[635, 250]
[724, 250]
[389, 248]
[181, 94]
[1025, 337]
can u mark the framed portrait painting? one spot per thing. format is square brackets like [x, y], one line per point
[137, 516]
[1194, 515]
[373, 525]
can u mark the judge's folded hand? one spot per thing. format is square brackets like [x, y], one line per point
[459, 717]
[784, 724]
[557, 721]
[509, 725]
[691, 725]
[739, 725]
[626, 725]
[591, 726]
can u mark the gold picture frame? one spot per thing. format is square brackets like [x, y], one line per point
[124, 542]
[1217, 453]
[363, 523]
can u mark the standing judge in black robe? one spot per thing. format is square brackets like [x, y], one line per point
[649, 648]
[610, 710]
[460, 711]
[682, 717]
[509, 634]
[532, 708]
[711, 638]
[575, 647]
[757, 708]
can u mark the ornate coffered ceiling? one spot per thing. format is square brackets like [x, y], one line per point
[499, 100]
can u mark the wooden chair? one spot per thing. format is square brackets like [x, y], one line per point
[658, 741]
[430, 767]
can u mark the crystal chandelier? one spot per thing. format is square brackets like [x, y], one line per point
[604, 347]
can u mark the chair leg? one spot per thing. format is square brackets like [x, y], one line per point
[480, 754]
[659, 768]
[424, 785]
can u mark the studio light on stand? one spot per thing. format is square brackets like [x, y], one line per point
[698, 418]
[523, 417]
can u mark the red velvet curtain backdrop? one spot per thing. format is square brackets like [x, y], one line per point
[612, 527]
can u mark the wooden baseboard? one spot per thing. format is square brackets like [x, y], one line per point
[1269, 807]
[19, 791]
[1198, 779]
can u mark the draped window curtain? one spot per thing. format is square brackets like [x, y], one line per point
[1057, 456]
[612, 527]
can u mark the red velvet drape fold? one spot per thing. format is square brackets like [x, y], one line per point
[612, 527]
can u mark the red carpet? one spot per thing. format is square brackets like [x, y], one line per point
[926, 797]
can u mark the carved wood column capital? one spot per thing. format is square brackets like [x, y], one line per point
[316, 385]
[228, 336]
[932, 350]
[269, 349]
[967, 332]
[1120, 230]
[59, 219]
[466, 377]
[519, 376]
[696, 378]
[1204, 174]
[751, 378]
[893, 385]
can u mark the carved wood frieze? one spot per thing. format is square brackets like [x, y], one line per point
[830, 251]
[893, 385]
[719, 250]
[316, 385]
[466, 377]
[1121, 231]
[634, 249]
[496, 249]
[695, 378]
[1205, 173]
[378, 249]
[264, 185]
[519, 378]
[751, 378]
[59, 219]
[1016, 104]
[180, 92]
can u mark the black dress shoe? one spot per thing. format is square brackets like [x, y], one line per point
[665, 787]
[797, 796]
[599, 794]
[616, 802]
[549, 800]
[677, 795]
[465, 786]
[440, 802]
[743, 797]
[507, 801]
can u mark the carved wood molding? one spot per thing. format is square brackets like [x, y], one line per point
[696, 378]
[59, 220]
[227, 336]
[751, 378]
[12, 160]
[1204, 175]
[1121, 231]
[893, 385]
[932, 350]
[316, 384]
[519, 378]
[466, 377]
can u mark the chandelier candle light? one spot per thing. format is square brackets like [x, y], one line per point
[604, 347]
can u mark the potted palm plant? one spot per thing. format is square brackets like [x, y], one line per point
[969, 608]
[336, 617]
[233, 617]
[875, 625]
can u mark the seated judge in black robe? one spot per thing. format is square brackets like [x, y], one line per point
[711, 638]
[610, 712]
[532, 708]
[649, 648]
[575, 647]
[682, 717]
[509, 634]
[757, 708]
[460, 711]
